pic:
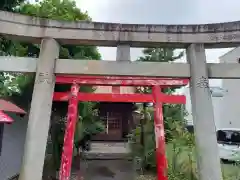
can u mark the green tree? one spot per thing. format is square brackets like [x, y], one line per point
[9, 5]
[52, 9]
[171, 112]
[6, 86]
[163, 55]
[159, 55]
[59, 10]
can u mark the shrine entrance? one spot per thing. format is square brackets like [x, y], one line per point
[113, 126]
[117, 118]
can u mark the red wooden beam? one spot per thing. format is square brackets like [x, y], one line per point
[138, 98]
[120, 80]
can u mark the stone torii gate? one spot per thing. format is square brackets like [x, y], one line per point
[194, 38]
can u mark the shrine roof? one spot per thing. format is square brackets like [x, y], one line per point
[10, 107]
[4, 118]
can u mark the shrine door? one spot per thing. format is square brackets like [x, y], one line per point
[113, 127]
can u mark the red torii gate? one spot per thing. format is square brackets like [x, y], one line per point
[157, 97]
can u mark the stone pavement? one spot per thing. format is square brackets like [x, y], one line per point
[107, 161]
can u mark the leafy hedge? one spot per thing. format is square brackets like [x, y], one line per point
[179, 148]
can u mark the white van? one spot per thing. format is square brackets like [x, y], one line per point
[229, 143]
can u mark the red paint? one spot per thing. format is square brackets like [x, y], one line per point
[176, 99]
[157, 97]
[116, 89]
[4, 118]
[66, 162]
[121, 80]
[10, 107]
[159, 135]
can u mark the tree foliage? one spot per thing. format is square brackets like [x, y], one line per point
[171, 112]
[174, 111]
[7, 87]
[64, 10]
[9, 5]
[53, 9]
[159, 55]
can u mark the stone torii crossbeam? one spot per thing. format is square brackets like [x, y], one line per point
[194, 38]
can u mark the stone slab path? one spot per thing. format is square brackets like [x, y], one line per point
[107, 161]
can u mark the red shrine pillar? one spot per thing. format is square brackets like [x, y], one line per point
[72, 117]
[159, 135]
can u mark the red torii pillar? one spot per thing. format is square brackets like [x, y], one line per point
[159, 134]
[157, 97]
[72, 117]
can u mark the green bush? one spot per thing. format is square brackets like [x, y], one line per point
[180, 150]
[89, 122]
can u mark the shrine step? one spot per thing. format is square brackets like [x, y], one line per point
[108, 150]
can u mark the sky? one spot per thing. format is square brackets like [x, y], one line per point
[165, 12]
[162, 12]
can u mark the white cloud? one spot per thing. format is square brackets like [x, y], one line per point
[212, 11]
[162, 12]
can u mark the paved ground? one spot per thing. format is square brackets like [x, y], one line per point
[107, 161]
[107, 170]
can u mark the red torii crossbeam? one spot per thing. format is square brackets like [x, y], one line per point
[121, 81]
[137, 98]
[157, 97]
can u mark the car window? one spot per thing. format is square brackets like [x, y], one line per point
[228, 137]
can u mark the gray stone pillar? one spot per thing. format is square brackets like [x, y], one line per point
[40, 112]
[208, 161]
[123, 52]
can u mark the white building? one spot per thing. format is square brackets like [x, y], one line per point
[230, 106]
[217, 97]
[225, 99]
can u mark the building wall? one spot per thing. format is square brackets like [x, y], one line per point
[108, 89]
[216, 101]
[226, 108]
[12, 148]
[230, 109]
